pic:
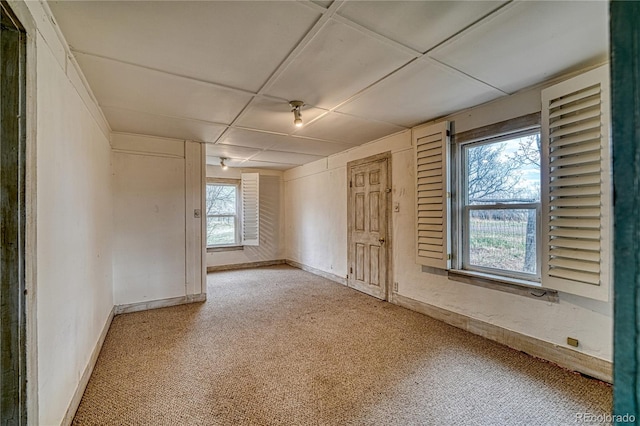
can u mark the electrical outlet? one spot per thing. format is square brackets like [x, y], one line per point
[395, 287]
[572, 342]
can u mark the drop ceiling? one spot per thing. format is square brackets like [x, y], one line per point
[223, 72]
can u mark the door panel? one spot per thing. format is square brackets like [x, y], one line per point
[368, 252]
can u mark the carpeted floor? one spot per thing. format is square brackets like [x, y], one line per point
[279, 346]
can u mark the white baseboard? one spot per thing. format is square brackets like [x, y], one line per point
[162, 303]
[247, 265]
[314, 271]
[564, 357]
[86, 375]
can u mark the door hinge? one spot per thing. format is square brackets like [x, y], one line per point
[449, 256]
[351, 270]
[350, 184]
[448, 133]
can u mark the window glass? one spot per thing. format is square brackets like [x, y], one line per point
[222, 214]
[501, 204]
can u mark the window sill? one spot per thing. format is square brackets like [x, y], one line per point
[224, 248]
[517, 286]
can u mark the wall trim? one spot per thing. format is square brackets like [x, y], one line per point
[86, 374]
[247, 265]
[160, 303]
[564, 357]
[323, 274]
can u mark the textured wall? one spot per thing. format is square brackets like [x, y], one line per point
[74, 227]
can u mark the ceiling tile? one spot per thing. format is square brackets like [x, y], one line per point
[336, 64]
[122, 120]
[230, 151]
[236, 43]
[310, 146]
[120, 85]
[348, 129]
[285, 157]
[248, 138]
[274, 115]
[528, 42]
[265, 165]
[419, 92]
[323, 3]
[261, 140]
[420, 25]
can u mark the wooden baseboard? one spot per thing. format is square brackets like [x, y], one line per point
[248, 265]
[323, 274]
[564, 357]
[86, 375]
[162, 303]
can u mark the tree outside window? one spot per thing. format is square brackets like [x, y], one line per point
[501, 202]
[222, 214]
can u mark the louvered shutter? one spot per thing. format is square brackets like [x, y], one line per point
[432, 195]
[250, 188]
[576, 201]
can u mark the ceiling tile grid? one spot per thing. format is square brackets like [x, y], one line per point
[224, 72]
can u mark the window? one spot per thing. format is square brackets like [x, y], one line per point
[499, 205]
[539, 181]
[223, 218]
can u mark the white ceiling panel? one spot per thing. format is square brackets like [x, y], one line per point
[285, 157]
[234, 43]
[261, 140]
[348, 129]
[230, 151]
[274, 115]
[420, 25]
[420, 92]
[251, 164]
[248, 138]
[122, 120]
[323, 3]
[117, 84]
[531, 41]
[309, 146]
[336, 64]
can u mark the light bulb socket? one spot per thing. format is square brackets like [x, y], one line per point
[224, 166]
[297, 115]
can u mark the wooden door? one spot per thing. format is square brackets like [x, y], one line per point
[368, 252]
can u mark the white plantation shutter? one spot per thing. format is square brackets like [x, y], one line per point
[432, 195]
[250, 188]
[576, 201]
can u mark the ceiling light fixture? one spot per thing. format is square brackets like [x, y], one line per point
[224, 166]
[295, 109]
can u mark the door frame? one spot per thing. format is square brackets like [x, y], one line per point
[388, 206]
[17, 267]
[24, 15]
[625, 106]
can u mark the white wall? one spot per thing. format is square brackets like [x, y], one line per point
[155, 183]
[74, 224]
[271, 219]
[316, 235]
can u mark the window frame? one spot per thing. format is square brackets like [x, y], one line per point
[237, 216]
[510, 129]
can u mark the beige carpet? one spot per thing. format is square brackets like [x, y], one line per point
[279, 346]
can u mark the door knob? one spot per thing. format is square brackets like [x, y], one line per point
[382, 240]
